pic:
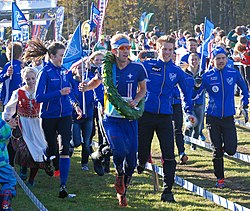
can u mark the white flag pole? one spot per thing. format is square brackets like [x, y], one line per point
[12, 52]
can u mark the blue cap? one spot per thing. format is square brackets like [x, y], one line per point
[217, 51]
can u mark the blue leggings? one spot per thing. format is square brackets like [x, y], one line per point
[123, 138]
[7, 179]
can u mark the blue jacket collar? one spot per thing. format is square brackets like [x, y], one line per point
[160, 62]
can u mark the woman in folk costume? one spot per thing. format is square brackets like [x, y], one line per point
[29, 143]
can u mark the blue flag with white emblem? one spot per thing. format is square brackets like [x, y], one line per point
[18, 18]
[94, 17]
[74, 50]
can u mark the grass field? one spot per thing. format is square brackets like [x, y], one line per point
[97, 193]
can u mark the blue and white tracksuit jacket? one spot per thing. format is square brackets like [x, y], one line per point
[220, 86]
[162, 78]
[51, 80]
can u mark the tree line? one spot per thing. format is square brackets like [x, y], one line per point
[169, 15]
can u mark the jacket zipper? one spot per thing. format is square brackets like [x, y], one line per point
[61, 96]
[164, 78]
[223, 95]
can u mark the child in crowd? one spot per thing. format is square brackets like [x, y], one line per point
[7, 179]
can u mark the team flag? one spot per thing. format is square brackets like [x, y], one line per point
[208, 35]
[146, 22]
[18, 18]
[74, 50]
[141, 24]
[94, 17]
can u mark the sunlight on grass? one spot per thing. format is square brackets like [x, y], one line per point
[97, 193]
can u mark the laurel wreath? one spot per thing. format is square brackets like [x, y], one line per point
[112, 93]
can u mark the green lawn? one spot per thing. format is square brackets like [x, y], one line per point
[97, 193]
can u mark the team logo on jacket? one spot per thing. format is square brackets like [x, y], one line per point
[214, 78]
[130, 75]
[230, 80]
[157, 69]
[172, 76]
[215, 89]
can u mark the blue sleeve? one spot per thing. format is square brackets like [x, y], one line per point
[143, 73]
[3, 75]
[42, 95]
[242, 84]
[186, 84]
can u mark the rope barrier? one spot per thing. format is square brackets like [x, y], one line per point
[28, 192]
[237, 155]
[242, 123]
[196, 189]
[201, 191]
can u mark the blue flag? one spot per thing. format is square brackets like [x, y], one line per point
[94, 17]
[18, 18]
[141, 24]
[146, 21]
[74, 50]
[209, 27]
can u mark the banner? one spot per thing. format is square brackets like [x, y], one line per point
[59, 23]
[94, 17]
[102, 5]
[146, 21]
[35, 33]
[44, 29]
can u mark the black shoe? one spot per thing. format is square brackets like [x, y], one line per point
[63, 193]
[98, 167]
[167, 197]
[140, 168]
[47, 166]
[193, 147]
[188, 132]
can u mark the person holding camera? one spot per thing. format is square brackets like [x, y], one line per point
[219, 83]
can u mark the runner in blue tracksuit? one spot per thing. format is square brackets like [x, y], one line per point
[219, 82]
[163, 75]
[54, 90]
[129, 79]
